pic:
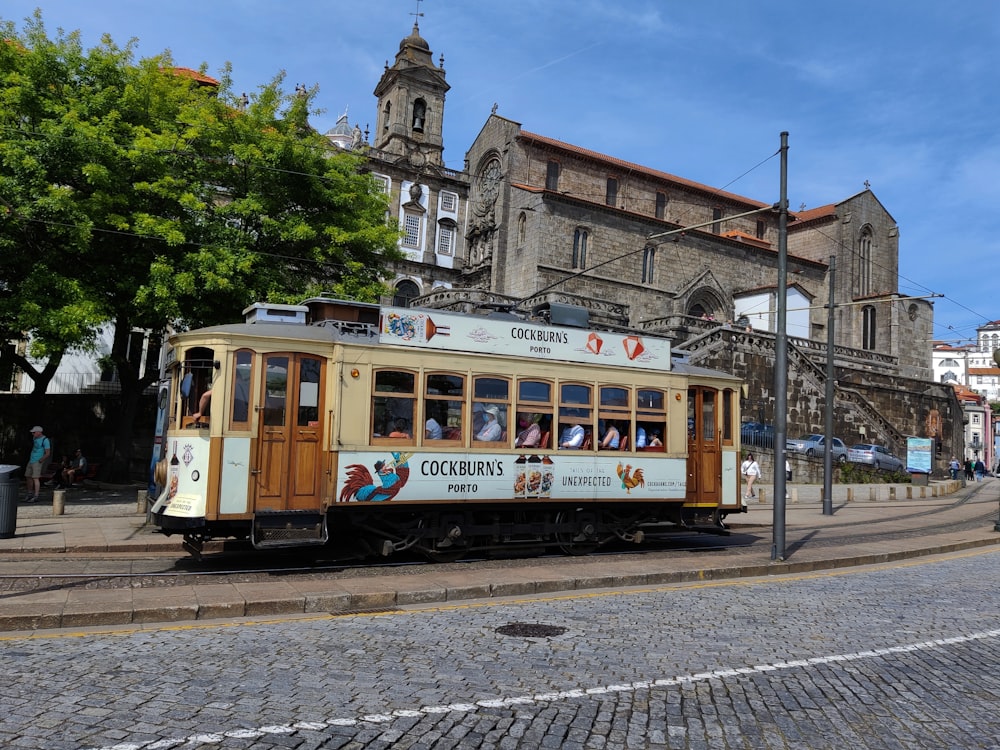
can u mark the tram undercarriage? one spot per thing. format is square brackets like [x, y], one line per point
[450, 534]
[575, 530]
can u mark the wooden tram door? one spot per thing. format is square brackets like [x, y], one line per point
[704, 462]
[290, 433]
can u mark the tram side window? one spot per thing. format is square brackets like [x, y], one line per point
[444, 405]
[534, 415]
[194, 392]
[490, 407]
[650, 419]
[614, 423]
[709, 433]
[727, 417]
[309, 395]
[393, 405]
[275, 390]
[242, 388]
[576, 416]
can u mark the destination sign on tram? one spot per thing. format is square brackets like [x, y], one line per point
[434, 329]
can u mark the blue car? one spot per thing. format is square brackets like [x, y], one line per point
[757, 433]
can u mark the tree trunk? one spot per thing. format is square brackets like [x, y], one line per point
[132, 384]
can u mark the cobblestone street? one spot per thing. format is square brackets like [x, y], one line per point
[897, 656]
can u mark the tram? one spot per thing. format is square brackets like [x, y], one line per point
[389, 429]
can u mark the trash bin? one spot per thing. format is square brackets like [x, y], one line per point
[9, 488]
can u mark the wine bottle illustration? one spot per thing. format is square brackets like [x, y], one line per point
[173, 474]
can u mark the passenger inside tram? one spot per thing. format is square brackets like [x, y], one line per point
[572, 437]
[401, 429]
[611, 438]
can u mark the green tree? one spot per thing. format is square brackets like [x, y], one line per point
[149, 196]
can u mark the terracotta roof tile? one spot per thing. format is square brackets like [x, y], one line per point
[195, 75]
[736, 234]
[821, 212]
[596, 156]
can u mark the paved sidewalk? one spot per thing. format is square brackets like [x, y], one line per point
[109, 524]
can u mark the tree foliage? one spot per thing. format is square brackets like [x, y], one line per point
[147, 195]
[142, 194]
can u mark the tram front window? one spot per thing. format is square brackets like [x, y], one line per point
[194, 391]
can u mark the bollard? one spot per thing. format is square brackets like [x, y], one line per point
[762, 496]
[795, 494]
[850, 494]
[909, 492]
[142, 498]
[58, 502]
[923, 492]
[872, 494]
[892, 493]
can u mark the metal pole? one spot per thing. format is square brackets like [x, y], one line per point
[781, 363]
[828, 426]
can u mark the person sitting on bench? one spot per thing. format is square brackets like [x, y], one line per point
[77, 469]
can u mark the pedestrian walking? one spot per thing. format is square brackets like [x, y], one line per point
[968, 469]
[41, 450]
[980, 468]
[954, 466]
[750, 470]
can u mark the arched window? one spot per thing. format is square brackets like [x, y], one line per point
[580, 237]
[406, 292]
[865, 282]
[648, 258]
[419, 115]
[385, 115]
[868, 328]
[522, 221]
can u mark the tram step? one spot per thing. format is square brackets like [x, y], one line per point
[289, 529]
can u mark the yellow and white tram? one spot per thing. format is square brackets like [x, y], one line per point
[338, 422]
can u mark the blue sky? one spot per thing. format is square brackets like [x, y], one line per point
[901, 93]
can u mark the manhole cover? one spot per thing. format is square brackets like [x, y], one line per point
[530, 630]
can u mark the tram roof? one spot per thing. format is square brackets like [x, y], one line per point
[333, 332]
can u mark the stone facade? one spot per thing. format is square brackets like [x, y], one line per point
[534, 221]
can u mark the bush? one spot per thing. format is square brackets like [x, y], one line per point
[864, 474]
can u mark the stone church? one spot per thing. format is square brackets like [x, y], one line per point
[546, 228]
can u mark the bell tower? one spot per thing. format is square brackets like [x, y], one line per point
[411, 95]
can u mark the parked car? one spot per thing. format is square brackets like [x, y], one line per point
[757, 433]
[875, 455]
[815, 445]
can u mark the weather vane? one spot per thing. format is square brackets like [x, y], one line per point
[418, 14]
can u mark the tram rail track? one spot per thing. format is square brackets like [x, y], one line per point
[138, 570]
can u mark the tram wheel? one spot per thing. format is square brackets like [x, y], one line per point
[444, 555]
[718, 518]
[452, 552]
[580, 541]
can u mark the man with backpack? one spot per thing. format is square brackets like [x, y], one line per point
[41, 451]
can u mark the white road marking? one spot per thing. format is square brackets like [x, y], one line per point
[315, 726]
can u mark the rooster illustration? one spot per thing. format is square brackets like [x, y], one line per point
[629, 478]
[392, 476]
